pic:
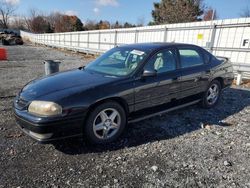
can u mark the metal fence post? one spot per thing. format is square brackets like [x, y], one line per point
[165, 34]
[115, 42]
[78, 40]
[211, 45]
[70, 36]
[88, 40]
[61, 40]
[99, 40]
[136, 36]
[64, 39]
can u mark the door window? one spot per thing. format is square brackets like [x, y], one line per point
[190, 58]
[163, 61]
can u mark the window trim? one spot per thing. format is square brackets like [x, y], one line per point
[205, 52]
[190, 48]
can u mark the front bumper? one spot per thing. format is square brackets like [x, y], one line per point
[45, 130]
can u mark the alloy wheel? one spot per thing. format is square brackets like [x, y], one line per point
[107, 123]
[213, 94]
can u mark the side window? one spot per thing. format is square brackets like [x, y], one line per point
[190, 58]
[163, 61]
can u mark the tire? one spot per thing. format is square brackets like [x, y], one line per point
[211, 95]
[105, 123]
[5, 42]
[19, 41]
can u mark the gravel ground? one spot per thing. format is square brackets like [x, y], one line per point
[192, 147]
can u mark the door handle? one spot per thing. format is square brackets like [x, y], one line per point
[197, 78]
[176, 78]
[208, 71]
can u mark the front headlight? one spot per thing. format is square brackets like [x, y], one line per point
[44, 108]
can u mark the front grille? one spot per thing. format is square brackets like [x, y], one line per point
[21, 104]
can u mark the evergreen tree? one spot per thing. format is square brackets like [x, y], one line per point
[177, 11]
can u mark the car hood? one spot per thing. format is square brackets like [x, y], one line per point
[62, 81]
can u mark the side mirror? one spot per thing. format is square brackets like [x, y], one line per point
[149, 73]
[81, 68]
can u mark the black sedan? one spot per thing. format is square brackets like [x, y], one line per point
[126, 84]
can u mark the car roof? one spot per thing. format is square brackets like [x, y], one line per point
[155, 45]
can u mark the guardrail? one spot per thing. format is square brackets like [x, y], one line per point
[229, 38]
[241, 69]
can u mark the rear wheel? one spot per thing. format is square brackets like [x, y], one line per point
[105, 123]
[212, 94]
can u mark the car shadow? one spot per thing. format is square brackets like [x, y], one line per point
[167, 126]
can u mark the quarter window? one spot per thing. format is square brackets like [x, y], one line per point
[190, 58]
[207, 57]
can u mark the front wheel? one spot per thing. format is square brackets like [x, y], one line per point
[212, 94]
[105, 123]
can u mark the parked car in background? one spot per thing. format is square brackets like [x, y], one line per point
[126, 84]
[10, 38]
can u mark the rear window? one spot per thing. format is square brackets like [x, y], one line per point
[190, 58]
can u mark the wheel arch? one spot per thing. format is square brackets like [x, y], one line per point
[220, 79]
[118, 100]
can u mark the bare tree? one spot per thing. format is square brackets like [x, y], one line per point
[210, 14]
[18, 22]
[90, 25]
[245, 12]
[54, 18]
[6, 11]
[32, 14]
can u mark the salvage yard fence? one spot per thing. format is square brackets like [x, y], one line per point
[229, 38]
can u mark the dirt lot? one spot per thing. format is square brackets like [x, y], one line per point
[192, 147]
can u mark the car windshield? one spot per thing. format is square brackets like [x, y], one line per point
[118, 61]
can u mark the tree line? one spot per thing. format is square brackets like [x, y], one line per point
[59, 22]
[164, 12]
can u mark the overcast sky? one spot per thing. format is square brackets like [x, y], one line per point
[122, 10]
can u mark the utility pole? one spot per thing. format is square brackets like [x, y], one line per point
[213, 14]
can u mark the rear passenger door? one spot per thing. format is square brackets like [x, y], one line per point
[164, 87]
[194, 77]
